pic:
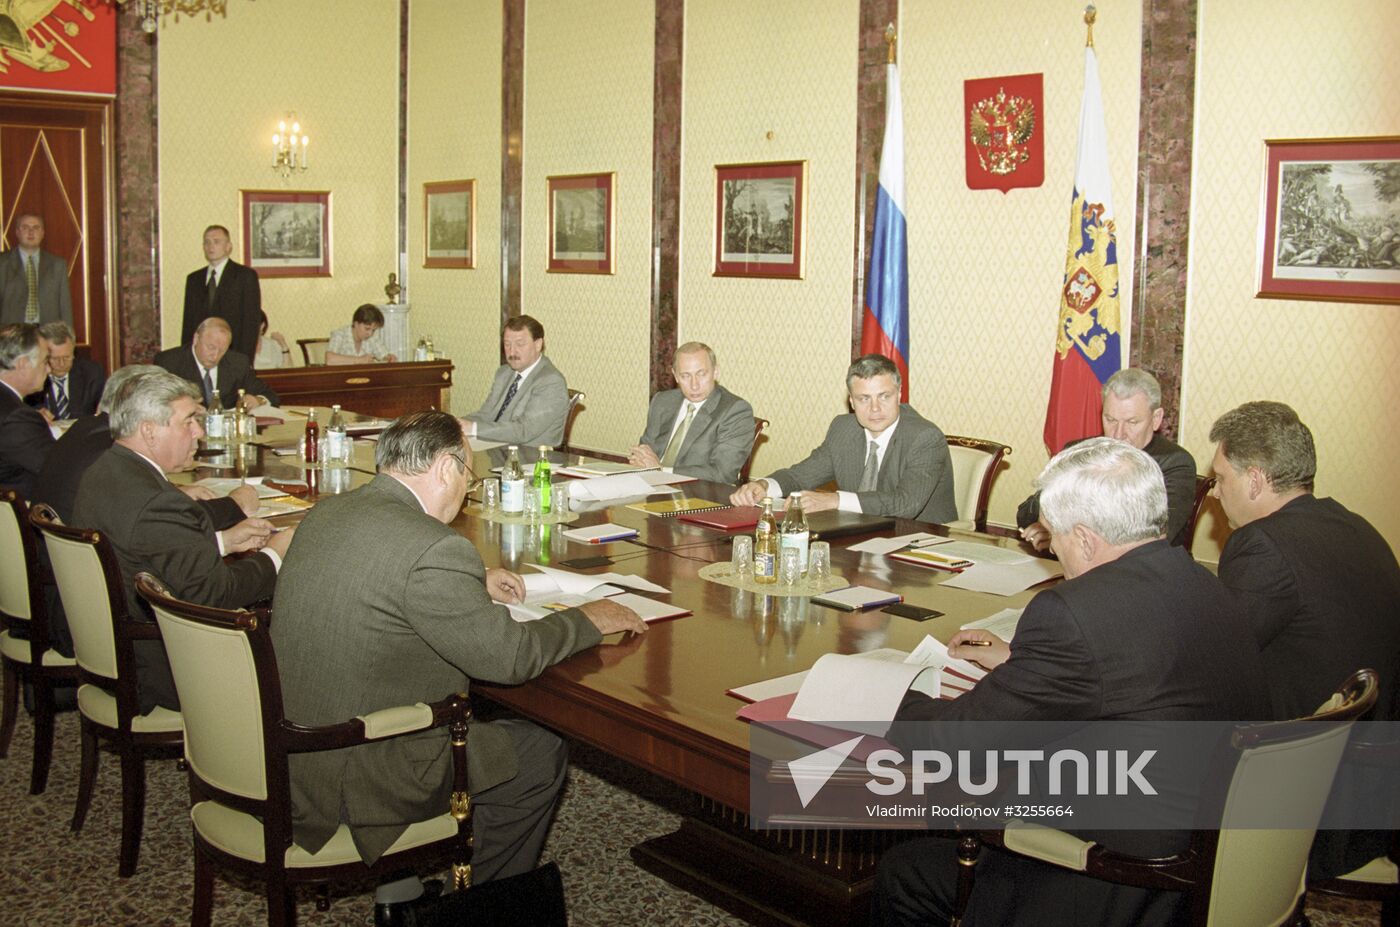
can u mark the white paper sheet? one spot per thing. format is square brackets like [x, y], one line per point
[1005, 579]
[569, 581]
[855, 694]
[884, 546]
[786, 685]
[222, 486]
[268, 411]
[607, 488]
[1002, 624]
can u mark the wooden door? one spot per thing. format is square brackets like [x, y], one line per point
[53, 162]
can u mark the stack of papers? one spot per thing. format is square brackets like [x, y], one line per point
[600, 534]
[552, 589]
[589, 468]
[222, 486]
[857, 598]
[1002, 624]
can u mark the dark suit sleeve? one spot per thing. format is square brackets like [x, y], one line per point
[1179, 473]
[817, 470]
[194, 305]
[256, 387]
[923, 464]
[180, 552]
[25, 441]
[733, 440]
[245, 335]
[449, 608]
[1028, 512]
[224, 513]
[1258, 576]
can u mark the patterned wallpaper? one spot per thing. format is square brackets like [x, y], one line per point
[773, 82]
[454, 119]
[224, 84]
[588, 80]
[986, 268]
[1289, 69]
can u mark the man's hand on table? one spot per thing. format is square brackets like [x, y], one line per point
[608, 617]
[504, 586]
[643, 456]
[988, 655]
[247, 498]
[819, 501]
[750, 493]
[248, 534]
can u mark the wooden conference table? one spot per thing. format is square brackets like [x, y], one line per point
[658, 700]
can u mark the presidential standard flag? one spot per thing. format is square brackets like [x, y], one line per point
[1087, 342]
[885, 325]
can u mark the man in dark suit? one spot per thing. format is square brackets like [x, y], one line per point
[885, 458]
[1139, 632]
[74, 384]
[700, 429]
[382, 604]
[1132, 412]
[210, 365]
[25, 439]
[1319, 585]
[33, 283]
[155, 527]
[529, 401]
[224, 289]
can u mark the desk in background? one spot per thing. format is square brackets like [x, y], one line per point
[384, 390]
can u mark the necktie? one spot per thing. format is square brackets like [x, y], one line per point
[31, 277]
[211, 288]
[60, 398]
[208, 389]
[674, 448]
[871, 475]
[510, 394]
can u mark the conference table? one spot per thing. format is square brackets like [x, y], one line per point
[658, 700]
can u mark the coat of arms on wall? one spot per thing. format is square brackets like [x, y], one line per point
[1004, 136]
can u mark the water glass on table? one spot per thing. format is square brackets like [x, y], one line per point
[490, 494]
[742, 557]
[532, 505]
[790, 566]
[559, 500]
[819, 565]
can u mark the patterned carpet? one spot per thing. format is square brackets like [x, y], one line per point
[53, 878]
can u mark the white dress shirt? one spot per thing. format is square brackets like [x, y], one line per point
[848, 501]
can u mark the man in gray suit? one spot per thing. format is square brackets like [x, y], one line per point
[700, 429]
[529, 401]
[33, 283]
[885, 458]
[381, 604]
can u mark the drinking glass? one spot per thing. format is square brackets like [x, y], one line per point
[559, 499]
[490, 494]
[790, 566]
[532, 505]
[742, 556]
[819, 564]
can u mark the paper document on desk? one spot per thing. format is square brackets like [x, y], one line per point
[855, 694]
[954, 676]
[608, 488]
[1002, 624]
[268, 411]
[222, 486]
[884, 546]
[271, 508]
[569, 581]
[552, 582]
[536, 607]
[789, 684]
[588, 469]
[1006, 579]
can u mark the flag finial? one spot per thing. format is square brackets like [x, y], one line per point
[890, 41]
[1090, 14]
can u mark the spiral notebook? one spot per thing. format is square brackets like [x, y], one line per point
[671, 508]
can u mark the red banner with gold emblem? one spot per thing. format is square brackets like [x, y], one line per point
[1004, 134]
[62, 46]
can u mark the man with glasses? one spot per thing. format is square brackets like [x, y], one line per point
[885, 458]
[75, 383]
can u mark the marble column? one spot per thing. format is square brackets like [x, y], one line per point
[136, 251]
[875, 17]
[512, 129]
[666, 187]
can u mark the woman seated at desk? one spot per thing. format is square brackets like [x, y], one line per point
[272, 349]
[360, 342]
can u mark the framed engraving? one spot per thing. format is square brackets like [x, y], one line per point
[449, 224]
[287, 233]
[760, 210]
[581, 223]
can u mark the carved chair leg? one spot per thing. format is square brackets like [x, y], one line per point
[87, 777]
[43, 735]
[968, 848]
[133, 810]
[203, 910]
[8, 713]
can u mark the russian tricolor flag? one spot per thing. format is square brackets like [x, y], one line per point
[885, 327]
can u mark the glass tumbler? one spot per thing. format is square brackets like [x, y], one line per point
[790, 566]
[742, 556]
[819, 565]
[490, 494]
[532, 505]
[559, 500]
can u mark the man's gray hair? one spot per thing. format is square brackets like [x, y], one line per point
[56, 332]
[1111, 488]
[1130, 381]
[872, 365]
[411, 444]
[18, 340]
[1270, 436]
[695, 347]
[147, 397]
[118, 379]
[214, 321]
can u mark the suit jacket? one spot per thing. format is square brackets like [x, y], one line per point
[916, 474]
[25, 442]
[85, 441]
[235, 373]
[55, 298]
[85, 383]
[379, 604]
[718, 441]
[1178, 472]
[155, 527]
[537, 413]
[237, 300]
[1151, 636]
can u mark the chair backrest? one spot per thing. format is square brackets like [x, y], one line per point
[313, 351]
[19, 565]
[759, 426]
[1204, 484]
[1258, 873]
[975, 462]
[220, 661]
[576, 396]
[90, 585]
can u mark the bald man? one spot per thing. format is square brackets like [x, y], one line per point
[209, 364]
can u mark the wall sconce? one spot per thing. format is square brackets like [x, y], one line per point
[289, 147]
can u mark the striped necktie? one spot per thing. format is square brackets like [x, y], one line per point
[674, 448]
[60, 398]
[31, 277]
[510, 394]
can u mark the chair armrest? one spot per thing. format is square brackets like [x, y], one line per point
[390, 722]
[1047, 844]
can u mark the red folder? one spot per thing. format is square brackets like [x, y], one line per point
[738, 518]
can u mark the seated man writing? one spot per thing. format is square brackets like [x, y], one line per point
[209, 364]
[885, 458]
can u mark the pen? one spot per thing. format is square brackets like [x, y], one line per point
[975, 644]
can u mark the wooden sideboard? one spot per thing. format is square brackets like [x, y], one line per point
[383, 390]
